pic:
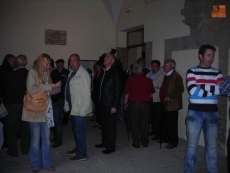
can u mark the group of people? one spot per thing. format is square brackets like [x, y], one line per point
[151, 97]
[163, 102]
[154, 98]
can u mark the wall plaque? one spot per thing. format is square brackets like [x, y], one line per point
[55, 37]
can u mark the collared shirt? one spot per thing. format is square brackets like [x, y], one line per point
[139, 88]
[151, 75]
[169, 73]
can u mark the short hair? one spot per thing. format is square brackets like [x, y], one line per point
[22, 59]
[156, 62]
[141, 60]
[172, 62]
[76, 55]
[203, 48]
[7, 58]
[137, 69]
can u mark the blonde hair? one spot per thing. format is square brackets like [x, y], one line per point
[38, 65]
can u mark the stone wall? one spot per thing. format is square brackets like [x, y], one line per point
[205, 29]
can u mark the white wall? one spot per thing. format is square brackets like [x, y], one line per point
[161, 19]
[90, 30]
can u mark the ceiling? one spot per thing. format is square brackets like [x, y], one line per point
[114, 7]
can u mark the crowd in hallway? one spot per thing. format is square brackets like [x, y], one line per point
[147, 99]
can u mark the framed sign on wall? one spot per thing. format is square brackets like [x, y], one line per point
[55, 37]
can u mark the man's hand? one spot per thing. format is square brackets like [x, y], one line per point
[113, 110]
[167, 99]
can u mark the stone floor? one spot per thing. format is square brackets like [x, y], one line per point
[126, 159]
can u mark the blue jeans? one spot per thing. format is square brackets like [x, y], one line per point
[40, 156]
[79, 133]
[58, 120]
[209, 122]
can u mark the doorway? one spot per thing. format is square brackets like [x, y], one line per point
[135, 46]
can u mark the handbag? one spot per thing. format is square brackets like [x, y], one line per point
[37, 102]
[3, 111]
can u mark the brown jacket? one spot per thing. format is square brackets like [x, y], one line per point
[175, 90]
[33, 86]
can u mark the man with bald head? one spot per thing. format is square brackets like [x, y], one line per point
[15, 89]
[78, 102]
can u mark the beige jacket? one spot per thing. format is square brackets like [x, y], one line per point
[80, 94]
[33, 86]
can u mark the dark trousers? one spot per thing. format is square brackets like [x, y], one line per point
[109, 127]
[58, 120]
[155, 118]
[140, 122]
[15, 125]
[171, 127]
[228, 151]
[97, 110]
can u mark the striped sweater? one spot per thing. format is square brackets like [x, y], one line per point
[203, 89]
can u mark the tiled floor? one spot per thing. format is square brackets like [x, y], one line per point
[126, 159]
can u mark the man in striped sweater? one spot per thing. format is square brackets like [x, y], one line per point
[203, 87]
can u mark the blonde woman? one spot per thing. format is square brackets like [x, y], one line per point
[39, 79]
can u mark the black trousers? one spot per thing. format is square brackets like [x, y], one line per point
[109, 127]
[140, 122]
[14, 126]
[155, 118]
[170, 134]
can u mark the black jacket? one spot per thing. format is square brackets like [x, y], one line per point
[57, 76]
[110, 88]
[15, 84]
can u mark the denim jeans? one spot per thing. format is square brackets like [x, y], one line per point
[196, 121]
[79, 133]
[58, 120]
[40, 156]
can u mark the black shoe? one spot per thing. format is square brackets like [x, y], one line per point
[72, 152]
[145, 145]
[78, 158]
[99, 146]
[170, 146]
[151, 133]
[108, 151]
[155, 138]
[135, 146]
[56, 144]
[12, 154]
[161, 141]
[25, 152]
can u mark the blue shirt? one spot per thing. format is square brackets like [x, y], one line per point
[68, 96]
